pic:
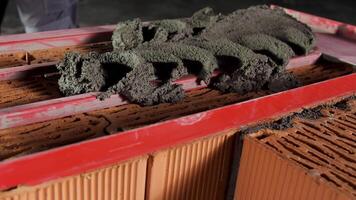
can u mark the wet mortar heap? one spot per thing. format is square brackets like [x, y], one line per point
[249, 47]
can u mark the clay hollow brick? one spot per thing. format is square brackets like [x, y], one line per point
[314, 159]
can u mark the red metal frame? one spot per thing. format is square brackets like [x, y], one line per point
[66, 106]
[337, 48]
[24, 71]
[88, 155]
[58, 38]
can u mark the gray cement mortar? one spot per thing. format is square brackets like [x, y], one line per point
[250, 47]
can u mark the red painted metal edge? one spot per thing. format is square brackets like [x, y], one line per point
[24, 71]
[58, 38]
[322, 24]
[54, 108]
[26, 37]
[337, 48]
[11, 73]
[66, 106]
[88, 155]
[300, 61]
[348, 31]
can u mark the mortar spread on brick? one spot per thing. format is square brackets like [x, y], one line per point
[250, 47]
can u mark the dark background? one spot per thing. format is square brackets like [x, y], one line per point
[100, 12]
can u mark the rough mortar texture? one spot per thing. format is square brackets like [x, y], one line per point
[250, 47]
[262, 20]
